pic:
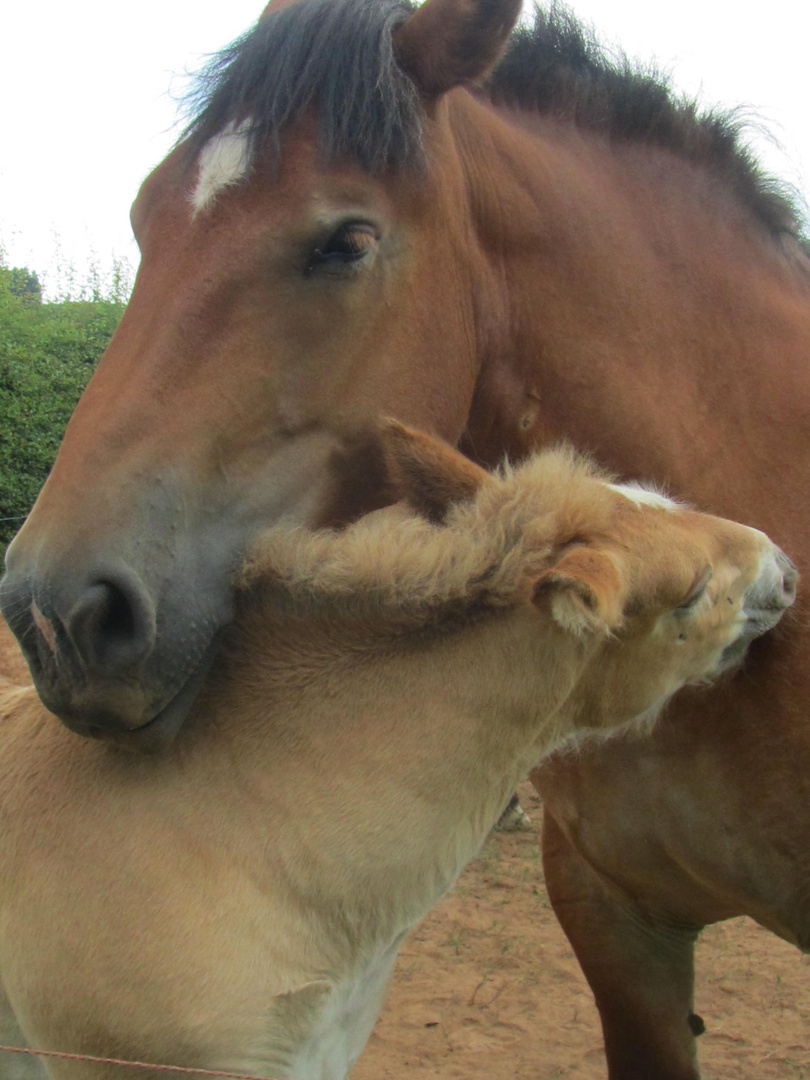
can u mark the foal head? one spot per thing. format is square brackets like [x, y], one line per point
[642, 595]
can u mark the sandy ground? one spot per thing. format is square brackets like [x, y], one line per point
[487, 987]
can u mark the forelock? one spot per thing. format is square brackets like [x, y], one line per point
[335, 56]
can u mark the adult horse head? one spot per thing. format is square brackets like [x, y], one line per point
[306, 259]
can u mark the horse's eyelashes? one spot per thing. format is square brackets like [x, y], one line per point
[345, 248]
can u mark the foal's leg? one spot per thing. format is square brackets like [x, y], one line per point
[640, 969]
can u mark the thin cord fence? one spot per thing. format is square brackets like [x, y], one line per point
[131, 1064]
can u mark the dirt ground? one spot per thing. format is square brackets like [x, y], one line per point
[488, 987]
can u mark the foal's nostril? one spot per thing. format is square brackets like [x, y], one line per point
[790, 576]
[112, 625]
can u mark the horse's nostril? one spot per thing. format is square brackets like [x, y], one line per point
[117, 621]
[112, 625]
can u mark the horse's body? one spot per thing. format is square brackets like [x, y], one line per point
[395, 681]
[566, 253]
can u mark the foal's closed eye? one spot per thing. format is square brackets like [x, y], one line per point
[697, 589]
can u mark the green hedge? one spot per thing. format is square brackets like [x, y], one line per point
[47, 354]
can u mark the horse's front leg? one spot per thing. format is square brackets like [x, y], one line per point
[640, 969]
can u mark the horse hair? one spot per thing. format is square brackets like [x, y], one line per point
[334, 54]
[558, 67]
[337, 55]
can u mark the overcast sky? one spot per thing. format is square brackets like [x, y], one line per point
[87, 109]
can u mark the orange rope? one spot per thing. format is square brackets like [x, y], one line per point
[131, 1064]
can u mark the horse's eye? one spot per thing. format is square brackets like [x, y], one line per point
[697, 589]
[346, 247]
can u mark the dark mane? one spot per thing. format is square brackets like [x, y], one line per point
[557, 67]
[337, 55]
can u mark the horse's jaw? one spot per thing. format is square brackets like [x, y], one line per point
[119, 645]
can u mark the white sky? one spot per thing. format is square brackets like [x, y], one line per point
[87, 113]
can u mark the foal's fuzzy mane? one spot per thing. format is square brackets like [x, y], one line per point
[414, 573]
[338, 55]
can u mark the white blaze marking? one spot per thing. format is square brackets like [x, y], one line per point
[643, 496]
[224, 161]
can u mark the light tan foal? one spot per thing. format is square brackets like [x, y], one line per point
[238, 901]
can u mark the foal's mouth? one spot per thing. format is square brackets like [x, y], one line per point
[758, 621]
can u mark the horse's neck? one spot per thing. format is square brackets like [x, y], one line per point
[636, 308]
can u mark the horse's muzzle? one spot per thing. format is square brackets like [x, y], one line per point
[106, 656]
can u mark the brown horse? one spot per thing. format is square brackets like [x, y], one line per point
[396, 679]
[350, 227]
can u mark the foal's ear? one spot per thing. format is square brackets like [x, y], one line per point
[427, 473]
[585, 590]
[449, 42]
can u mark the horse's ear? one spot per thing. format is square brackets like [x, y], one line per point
[585, 591]
[427, 473]
[275, 5]
[449, 42]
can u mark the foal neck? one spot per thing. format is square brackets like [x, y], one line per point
[399, 759]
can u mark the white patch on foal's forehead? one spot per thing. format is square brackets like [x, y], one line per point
[645, 496]
[223, 161]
